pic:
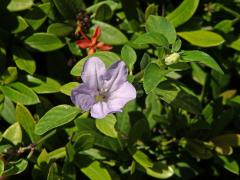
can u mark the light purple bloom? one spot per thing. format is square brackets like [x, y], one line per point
[103, 91]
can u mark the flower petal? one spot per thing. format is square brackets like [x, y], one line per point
[103, 47]
[96, 35]
[115, 76]
[83, 97]
[92, 73]
[84, 43]
[117, 99]
[100, 110]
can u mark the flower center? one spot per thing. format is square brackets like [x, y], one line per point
[100, 97]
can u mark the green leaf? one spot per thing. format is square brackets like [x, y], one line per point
[153, 75]
[227, 139]
[9, 75]
[53, 172]
[177, 96]
[183, 12]
[142, 159]
[103, 12]
[236, 44]
[69, 8]
[24, 117]
[160, 171]
[84, 141]
[106, 126]
[13, 133]
[43, 85]
[201, 57]
[110, 34]
[152, 9]
[1, 167]
[107, 57]
[225, 26]
[21, 25]
[202, 38]
[60, 29]
[67, 88]
[38, 15]
[57, 154]
[161, 25]
[129, 56]
[229, 163]
[157, 170]
[8, 112]
[15, 167]
[19, 5]
[198, 74]
[44, 42]
[55, 117]
[154, 38]
[96, 171]
[112, 4]
[24, 60]
[20, 93]
[74, 49]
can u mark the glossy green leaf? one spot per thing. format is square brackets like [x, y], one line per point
[38, 15]
[230, 164]
[20, 93]
[107, 57]
[8, 112]
[55, 117]
[161, 25]
[84, 141]
[43, 85]
[129, 56]
[67, 88]
[103, 12]
[177, 96]
[26, 120]
[106, 125]
[152, 9]
[160, 171]
[110, 34]
[19, 5]
[153, 38]
[183, 12]
[142, 159]
[9, 75]
[24, 60]
[96, 171]
[53, 172]
[60, 29]
[236, 44]
[202, 38]
[112, 4]
[153, 75]
[22, 25]
[1, 167]
[68, 8]
[15, 167]
[225, 26]
[58, 153]
[13, 133]
[227, 139]
[201, 57]
[44, 42]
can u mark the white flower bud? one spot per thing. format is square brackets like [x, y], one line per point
[172, 58]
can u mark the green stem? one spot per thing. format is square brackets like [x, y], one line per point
[230, 11]
[45, 137]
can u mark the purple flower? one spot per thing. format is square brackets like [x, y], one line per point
[103, 91]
